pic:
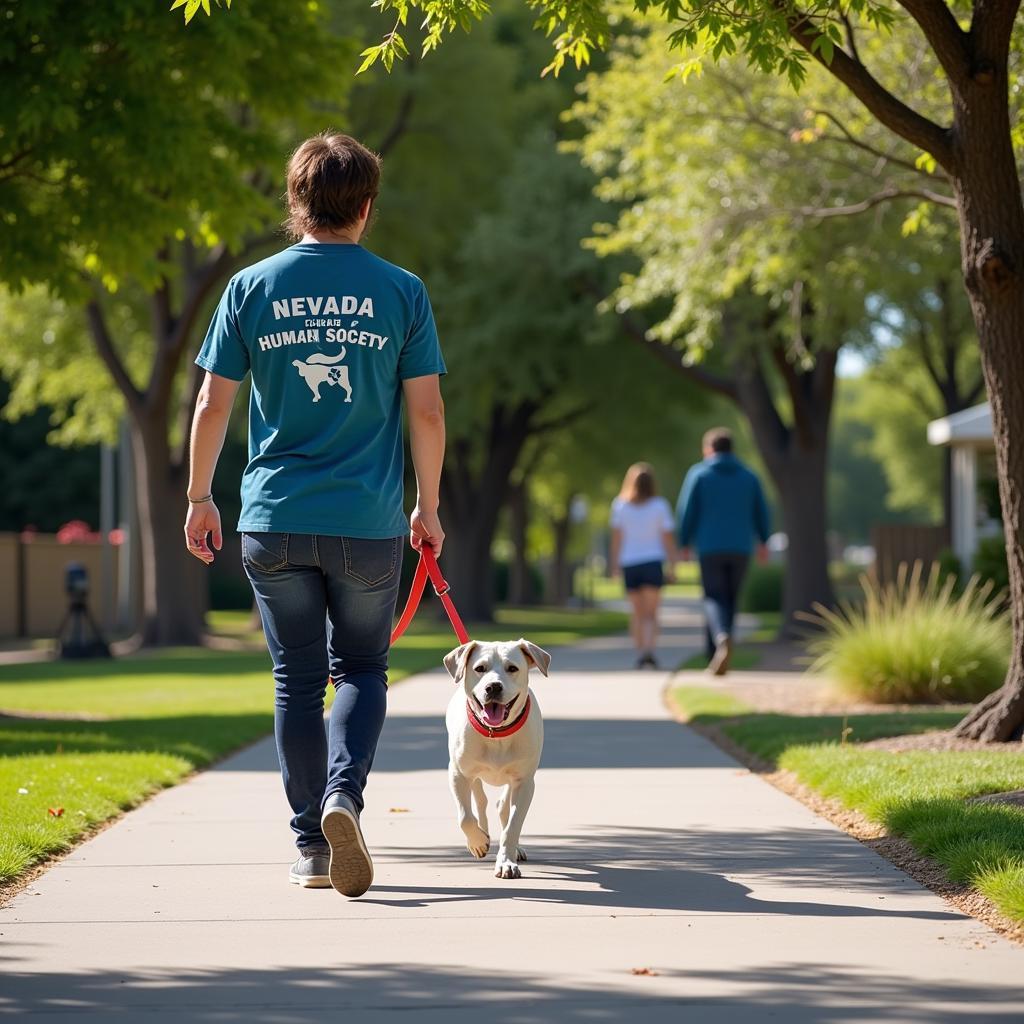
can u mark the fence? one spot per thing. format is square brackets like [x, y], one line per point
[33, 601]
[895, 543]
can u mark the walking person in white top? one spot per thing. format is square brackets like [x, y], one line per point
[643, 538]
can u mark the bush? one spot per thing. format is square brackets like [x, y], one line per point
[762, 589]
[990, 563]
[915, 640]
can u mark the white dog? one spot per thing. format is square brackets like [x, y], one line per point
[495, 735]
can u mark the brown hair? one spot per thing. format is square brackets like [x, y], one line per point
[718, 439]
[638, 484]
[330, 177]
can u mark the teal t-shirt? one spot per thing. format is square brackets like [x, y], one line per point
[329, 332]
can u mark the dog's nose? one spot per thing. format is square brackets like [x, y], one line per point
[492, 690]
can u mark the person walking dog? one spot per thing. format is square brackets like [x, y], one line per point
[642, 540]
[334, 339]
[721, 511]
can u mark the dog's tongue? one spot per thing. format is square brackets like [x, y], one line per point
[494, 714]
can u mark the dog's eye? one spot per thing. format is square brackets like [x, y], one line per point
[479, 669]
[511, 668]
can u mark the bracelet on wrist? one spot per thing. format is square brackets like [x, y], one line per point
[200, 501]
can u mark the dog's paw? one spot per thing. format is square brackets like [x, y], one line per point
[504, 868]
[478, 842]
[521, 855]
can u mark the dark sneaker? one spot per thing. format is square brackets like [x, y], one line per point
[311, 870]
[351, 869]
[650, 661]
[723, 654]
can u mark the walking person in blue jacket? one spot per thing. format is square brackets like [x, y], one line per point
[721, 512]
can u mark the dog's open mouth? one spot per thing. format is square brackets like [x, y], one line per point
[494, 713]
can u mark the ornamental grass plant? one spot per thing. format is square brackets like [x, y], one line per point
[915, 639]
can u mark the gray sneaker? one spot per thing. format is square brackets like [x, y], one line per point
[351, 869]
[312, 869]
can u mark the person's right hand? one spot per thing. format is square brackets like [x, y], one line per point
[684, 554]
[426, 529]
[762, 554]
[201, 521]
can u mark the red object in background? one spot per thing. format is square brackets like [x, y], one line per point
[56, 812]
[76, 532]
[116, 537]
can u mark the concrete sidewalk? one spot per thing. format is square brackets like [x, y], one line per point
[649, 849]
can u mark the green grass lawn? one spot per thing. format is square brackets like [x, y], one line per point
[146, 721]
[920, 795]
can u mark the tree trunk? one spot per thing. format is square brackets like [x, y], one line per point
[173, 582]
[467, 560]
[473, 492]
[520, 587]
[797, 459]
[559, 584]
[992, 249]
[801, 490]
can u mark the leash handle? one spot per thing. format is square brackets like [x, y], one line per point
[429, 569]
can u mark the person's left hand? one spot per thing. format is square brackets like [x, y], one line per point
[202, 519]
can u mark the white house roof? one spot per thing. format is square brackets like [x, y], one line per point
[971, 426]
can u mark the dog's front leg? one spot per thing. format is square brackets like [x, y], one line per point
[519, 796]
[480, 803]
[477, 839]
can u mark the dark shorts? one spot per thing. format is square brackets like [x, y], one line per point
[646, 574]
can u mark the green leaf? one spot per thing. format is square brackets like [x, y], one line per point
[370, 56]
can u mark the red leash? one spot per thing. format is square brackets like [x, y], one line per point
[428, 568]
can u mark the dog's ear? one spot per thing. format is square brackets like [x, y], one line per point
[455, 661]
[537, 655]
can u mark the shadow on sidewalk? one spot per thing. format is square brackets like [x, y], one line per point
[413, 743]
[672, 870]
[796, 993]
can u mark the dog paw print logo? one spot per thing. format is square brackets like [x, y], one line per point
[320, 368]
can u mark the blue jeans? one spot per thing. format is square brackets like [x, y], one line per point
[721, 575]
[327, 605]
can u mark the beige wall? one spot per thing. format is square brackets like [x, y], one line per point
[8, 584]
[45, 600]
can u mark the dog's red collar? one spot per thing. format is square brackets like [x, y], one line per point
[501, 731]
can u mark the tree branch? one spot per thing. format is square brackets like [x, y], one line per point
[852, 140]
[108, 353]
[885, 196]
[558, 422]
[200, 280]
[795, 383]
[755, 398]
[399, 124]
[921, 344]
[944, 35]
[672, 357]
[892, 112]
[851, 37]
[190, 393]
[989, 35]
